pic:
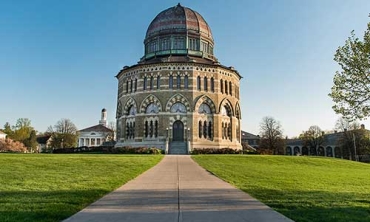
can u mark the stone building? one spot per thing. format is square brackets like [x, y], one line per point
[178, 96]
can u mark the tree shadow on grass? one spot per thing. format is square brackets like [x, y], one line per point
[45, 205]
[316, 205]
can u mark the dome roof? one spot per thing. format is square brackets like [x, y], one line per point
[179, 18]
[179, 31]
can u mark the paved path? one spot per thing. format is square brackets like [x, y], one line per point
[177, 189]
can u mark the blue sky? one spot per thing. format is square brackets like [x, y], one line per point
[58, 59]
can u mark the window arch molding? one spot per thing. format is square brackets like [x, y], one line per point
[148, 100]
[130, 103]
[178, 98]
[205, 99]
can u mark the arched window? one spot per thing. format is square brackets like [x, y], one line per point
[132, 111]
[224, 111]
[222, 86]
[186, 82]
[212, 85]
[144, 83]
[152, 108]
[170, 82]
[127, 86]
[205, 129]
[204, 109]
[151, 82]
[225, 87]
[135, 85]
[229, 131]
[127, 130]
[205, 84]
[130, 131]
[178, 82]
[198, 83]
[223, 131]
[158, 82]
[151, 129]
[156, 129]
[200, 129]
[230, 88]
[178, 108]
[146, 129]
[210, 130]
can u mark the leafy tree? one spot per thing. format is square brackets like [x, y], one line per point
[271, 135]
[351, 89]
[353, 139]
[31, 142]
[64, 134]
[8, 130]
[313, 138]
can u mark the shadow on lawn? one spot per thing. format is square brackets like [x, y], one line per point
[45, 205]
[316, 205]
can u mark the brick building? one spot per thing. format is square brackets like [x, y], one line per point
[178, 97]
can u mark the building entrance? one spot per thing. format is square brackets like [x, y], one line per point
[178, 131]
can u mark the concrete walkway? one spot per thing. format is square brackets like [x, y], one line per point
[177, 189]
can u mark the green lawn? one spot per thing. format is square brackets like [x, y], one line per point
[37, 187]
[302, 188]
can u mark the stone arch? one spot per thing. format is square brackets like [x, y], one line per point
[238, 113]
[130, 102]
[178, 98]
[288, 150]
[329, 151]
[148, 100]
[296, 151]
[225, 102]
[205, 99]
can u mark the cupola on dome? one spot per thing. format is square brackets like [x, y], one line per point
[179, 31]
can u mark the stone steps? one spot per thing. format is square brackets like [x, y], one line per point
[177, 148]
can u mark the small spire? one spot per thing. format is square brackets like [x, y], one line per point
[179, 5]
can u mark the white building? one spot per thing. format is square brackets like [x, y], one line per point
[96, 135]
[2, 135]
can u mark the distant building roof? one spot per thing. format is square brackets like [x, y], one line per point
[248, 136]
[97, 128]
[43, 139]
[1, 132]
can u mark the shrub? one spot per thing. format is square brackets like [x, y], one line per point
[215, 151]
[137, 150]
[110, 149]
[12, 146]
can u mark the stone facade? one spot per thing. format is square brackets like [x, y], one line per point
[174, 97]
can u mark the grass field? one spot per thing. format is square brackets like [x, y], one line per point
[53, 187]
[302, 188]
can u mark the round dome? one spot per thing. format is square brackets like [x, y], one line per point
[179, 31]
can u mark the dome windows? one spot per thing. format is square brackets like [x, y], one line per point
[152, 108]
[204, 109]
[178, 108]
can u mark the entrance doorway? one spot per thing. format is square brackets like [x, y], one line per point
[178, 131]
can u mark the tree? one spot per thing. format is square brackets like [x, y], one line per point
[8, 130]
[112, 126]
[64, 134]
[313, 138]
[353, 139]
[21, 130]
[351, 89]
[31, 142]
[9, 145]
[271, 135]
